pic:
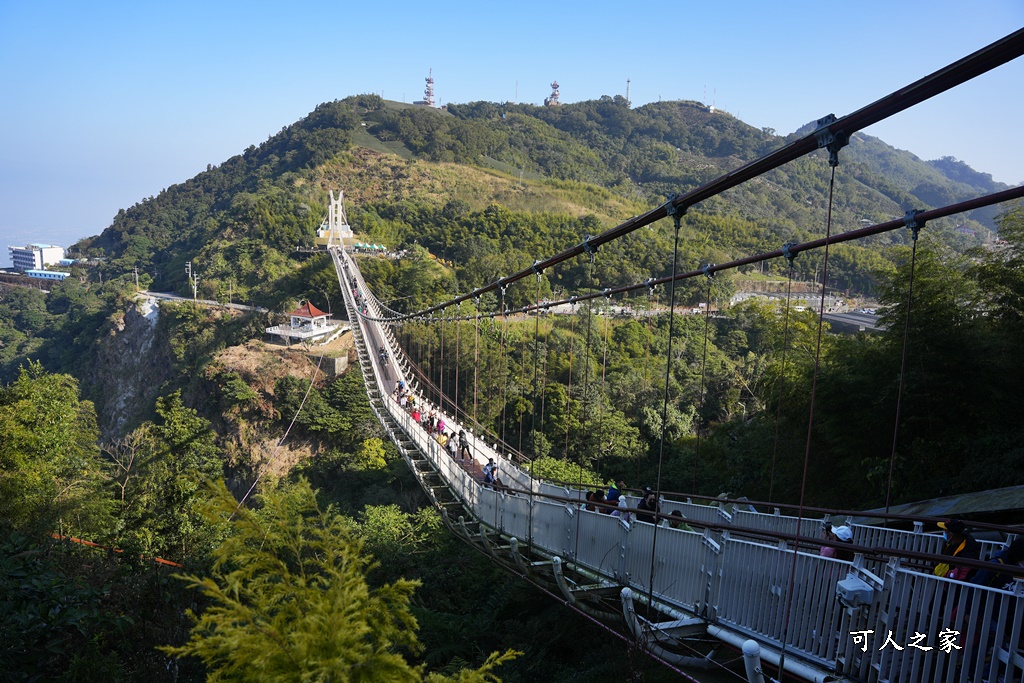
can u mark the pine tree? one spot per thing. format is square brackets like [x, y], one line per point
[290, 601]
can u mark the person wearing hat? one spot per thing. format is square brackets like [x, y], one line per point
[958, 542]
[838, 535]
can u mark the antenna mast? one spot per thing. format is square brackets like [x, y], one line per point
[428, 92]
[552, 101]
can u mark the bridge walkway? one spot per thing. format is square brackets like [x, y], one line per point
[731, 579]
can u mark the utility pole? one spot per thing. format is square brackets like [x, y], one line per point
[193, 277]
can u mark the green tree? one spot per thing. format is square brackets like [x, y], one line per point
[290, 601]
[49, 463]
[161, 500]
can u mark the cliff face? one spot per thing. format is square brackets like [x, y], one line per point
[133, 362]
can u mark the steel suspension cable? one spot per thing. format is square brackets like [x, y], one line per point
[522, 386]
[503, 376]
[830, 131]
[441, 367]
[583, 403]
[677, 223]
[810, 423]
[536, 360]
[586, 370]
[915, 229]
[782, 376]
[568, 390]
[604, 369]
[647, 364]
[476, 365]
[703, 374]
[489, 387]
[534, 432]
[458, 358]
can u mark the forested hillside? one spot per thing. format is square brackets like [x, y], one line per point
[137, 428]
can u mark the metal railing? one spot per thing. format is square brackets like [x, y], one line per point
[869, 621]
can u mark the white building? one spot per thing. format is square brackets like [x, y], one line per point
[47, 274]
[35, 256]
[308, 323]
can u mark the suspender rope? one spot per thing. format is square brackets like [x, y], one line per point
[585, 443]
[489, 386]
[440, 365]
[476, 364]
[458, 358]
[677, 215]
[502, 374]
[604, 369]
[647, 362]
[782, 373]
[915, 227]
[568, 390]
[522, 386]
[703, 373]
[544, 384]
[810, 419]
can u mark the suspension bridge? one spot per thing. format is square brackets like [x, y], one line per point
[741, 575]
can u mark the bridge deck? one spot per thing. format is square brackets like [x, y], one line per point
[873, 619]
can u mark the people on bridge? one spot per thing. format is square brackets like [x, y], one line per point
[489, 467]
[676, 520]
[837, 536]
[492, 480]
[440, 425]
[595, 500]
[647, 509]
[451, 445]
[621, 510]
[958, 543]
[416, 415]
[1012, 556]
[463, 444]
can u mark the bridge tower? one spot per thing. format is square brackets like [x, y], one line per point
[337, 224]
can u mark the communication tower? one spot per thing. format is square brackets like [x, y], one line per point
[552, 101]
[428, 92]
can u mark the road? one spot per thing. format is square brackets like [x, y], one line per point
[167, 296]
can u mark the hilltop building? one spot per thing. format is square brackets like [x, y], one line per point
[35, 256]
[307, 323]
[428, 92]
[47, 274]
[552, 100]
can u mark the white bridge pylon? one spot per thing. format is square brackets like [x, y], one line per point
[867, 620]
[337, 227]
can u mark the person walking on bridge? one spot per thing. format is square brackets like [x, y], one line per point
[647, 509]
[958, 543]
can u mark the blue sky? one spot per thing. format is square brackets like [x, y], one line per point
[106, 103]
